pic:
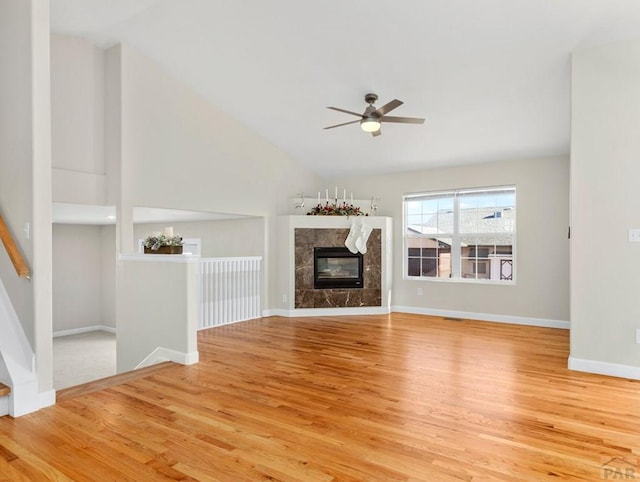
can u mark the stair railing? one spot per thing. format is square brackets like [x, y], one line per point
[12, 250]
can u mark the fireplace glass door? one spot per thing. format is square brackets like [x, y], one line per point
[337, 268]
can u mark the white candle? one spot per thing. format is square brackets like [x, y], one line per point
[318, 197]
[336, 196]
[326, 192]
[344, 196]
[168, 232]
[351, 198]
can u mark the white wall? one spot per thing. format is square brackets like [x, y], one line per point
[157, 311]
[605, 200]
[79, 282]
[126, 133]
[78, 70]
[168, 147]
[223, 238]
[25, 169]
[229, 237]
[108, 266]
[78, 120]
[179, 151]
[16, 149]
[541, 291]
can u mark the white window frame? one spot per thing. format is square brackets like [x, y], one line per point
[456, 257]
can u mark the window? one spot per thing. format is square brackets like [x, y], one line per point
[461, 234]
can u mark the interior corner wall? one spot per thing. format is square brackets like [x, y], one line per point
[605, 201]
[541, 290]
[16, 150]
[78, 120]
[25, 170]
[179, 151]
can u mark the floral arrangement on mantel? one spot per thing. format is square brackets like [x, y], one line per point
[163, 243]
[336, 209]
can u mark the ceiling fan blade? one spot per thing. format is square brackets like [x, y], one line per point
[376, 133]
[402, 120]
[345, 111]
[388, 107]
[343, 124]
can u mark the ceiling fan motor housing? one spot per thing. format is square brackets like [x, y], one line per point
[369, 112]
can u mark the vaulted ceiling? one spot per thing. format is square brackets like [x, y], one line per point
[492, 77]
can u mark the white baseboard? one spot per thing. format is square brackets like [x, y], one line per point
[4, 405]
[46, 399]
[33, 404]
[231, 322]
[376, 310]
[517, 320]
[84, 329]
[162, 354]
[360, 310]
[604, 368]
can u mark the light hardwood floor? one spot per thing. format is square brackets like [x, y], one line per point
[398, 397]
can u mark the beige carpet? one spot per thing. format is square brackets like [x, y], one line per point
[83, 358]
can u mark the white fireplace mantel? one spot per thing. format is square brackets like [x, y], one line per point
[286, 262]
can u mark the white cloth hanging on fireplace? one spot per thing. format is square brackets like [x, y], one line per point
[361, 242]
[358, 235]
[350, 242]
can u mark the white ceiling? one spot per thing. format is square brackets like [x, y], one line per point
[492, 77]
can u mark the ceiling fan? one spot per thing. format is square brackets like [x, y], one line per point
[371, 119]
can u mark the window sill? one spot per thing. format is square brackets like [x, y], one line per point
[461, 280]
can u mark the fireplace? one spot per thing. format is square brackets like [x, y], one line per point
[337, 268]
[368, 294]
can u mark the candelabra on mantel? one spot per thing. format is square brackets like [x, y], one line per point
[373, 209]
[300, 204]
[334, 206]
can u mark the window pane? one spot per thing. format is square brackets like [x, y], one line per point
[487, 212]
[413, 207]
[468, 242]
[414, 221]
[429, 267]
[430, 206]
[484, 234]
[413, 267]
[445, 204]
[444, 222]
[444, 264]
[504, 249]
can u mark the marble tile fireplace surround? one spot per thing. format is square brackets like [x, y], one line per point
[304, 233]
[306, 296]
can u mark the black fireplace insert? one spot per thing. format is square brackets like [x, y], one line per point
[337, 268]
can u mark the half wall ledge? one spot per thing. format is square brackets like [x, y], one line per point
[156, 310]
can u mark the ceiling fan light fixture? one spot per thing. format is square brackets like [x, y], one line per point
[372, 118]
[370, 124]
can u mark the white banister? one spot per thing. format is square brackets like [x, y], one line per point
[229, 290]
